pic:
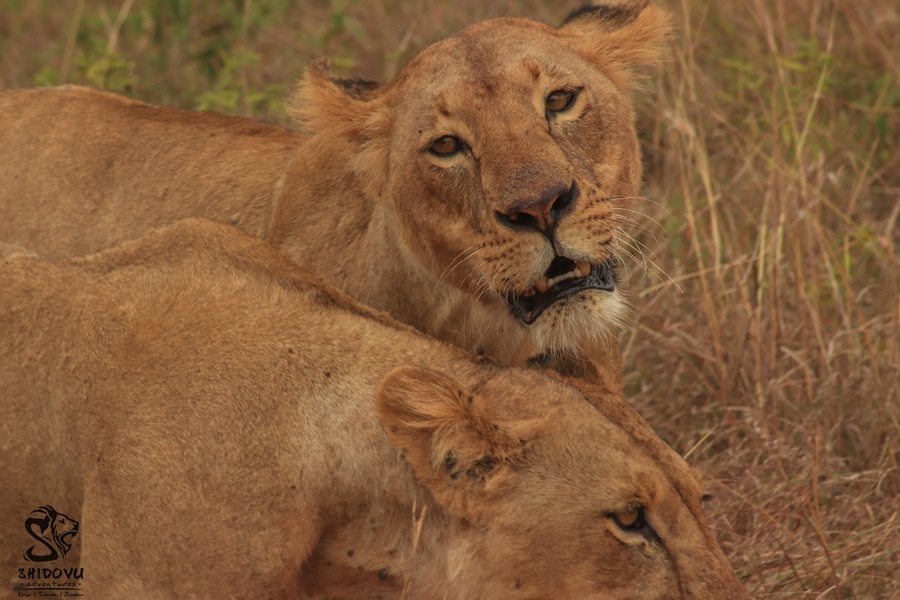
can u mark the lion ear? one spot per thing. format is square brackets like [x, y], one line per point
[447, 436]
[623, 40]
[353, 109]
[323, 100]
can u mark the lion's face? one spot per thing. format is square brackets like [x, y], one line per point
[592, 517]
[564, 498]
[595, 512]
[505, 174]
[504, 152]
[64, 527]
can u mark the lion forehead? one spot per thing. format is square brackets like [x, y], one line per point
[486, 53]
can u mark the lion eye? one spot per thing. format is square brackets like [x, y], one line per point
[559, 101]
[630, 519]
[445, 146]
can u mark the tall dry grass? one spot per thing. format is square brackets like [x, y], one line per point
[765, 339]
[778, 136]
[769, 346]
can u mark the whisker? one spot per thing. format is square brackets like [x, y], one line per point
[458, 260]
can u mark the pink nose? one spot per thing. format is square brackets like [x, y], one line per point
[541, 214]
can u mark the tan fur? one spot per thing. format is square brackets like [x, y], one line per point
[356, 198]
[221, 425]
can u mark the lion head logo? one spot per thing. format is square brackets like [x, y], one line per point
[53, 530]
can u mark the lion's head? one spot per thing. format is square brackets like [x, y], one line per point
[503, 153]
[552, 495]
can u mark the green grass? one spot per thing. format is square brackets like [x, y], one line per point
[765, 340]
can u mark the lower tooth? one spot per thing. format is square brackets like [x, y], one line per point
[584, 268]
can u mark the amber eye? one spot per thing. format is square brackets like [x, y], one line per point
[630, 518]
[559, 101]
[445, 146]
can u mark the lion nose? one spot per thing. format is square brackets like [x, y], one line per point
[541, 214]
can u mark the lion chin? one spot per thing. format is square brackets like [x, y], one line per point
[578, 321]
[571, 306]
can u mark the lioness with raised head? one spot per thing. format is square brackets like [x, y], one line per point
[472, 197]
[224, 426]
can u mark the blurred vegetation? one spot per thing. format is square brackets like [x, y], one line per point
[235, 56]
[765, 340]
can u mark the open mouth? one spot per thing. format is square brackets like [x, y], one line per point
[563, 278]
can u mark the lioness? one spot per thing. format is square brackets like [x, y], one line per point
[225, 426]
[472, 197]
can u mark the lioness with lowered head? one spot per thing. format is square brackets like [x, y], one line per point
[222, 425]
[473, 197]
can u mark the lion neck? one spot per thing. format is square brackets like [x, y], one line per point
[379, 549]
[410, 291]
[380, 528]
[331, 227]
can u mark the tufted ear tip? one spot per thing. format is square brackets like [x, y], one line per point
[621, 39]
[613, 15]
[322, 99]
[319, 67]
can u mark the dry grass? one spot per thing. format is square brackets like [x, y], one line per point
[774, 152]
[765, 341]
